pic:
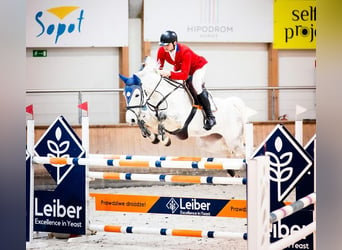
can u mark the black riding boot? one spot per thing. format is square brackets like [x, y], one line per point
[210, 120]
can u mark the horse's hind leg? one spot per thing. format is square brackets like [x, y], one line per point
[231, 172]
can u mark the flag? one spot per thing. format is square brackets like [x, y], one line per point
[300, 109]
[83, 106]
[29, 109]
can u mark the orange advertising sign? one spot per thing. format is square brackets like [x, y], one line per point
[170, 205]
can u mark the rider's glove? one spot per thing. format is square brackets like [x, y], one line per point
[165, 73]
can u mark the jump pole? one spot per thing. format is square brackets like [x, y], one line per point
[294, 237]
[85, 145]
[85, 134]
[249, 140]
[168, 178]
[299, 124]
[288, 210]
[167, 231]
[258, 203]
[234, 164]
[299, 131]
[156, 157]
[292, 208]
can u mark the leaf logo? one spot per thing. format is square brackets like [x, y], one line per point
[59, 141]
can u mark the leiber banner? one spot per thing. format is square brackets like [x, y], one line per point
[62, 209]
[295, 24]
[170, 205]
[210, 20]
[76, 23]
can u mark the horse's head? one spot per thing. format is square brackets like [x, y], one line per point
[134, 97]
[140, 89]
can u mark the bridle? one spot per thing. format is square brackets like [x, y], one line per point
[136, 109]
[149, 101]
[145, 98]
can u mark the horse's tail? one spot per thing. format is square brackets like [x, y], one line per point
[240, 106]
[245, 112]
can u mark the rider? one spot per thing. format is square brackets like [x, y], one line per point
[186, 64]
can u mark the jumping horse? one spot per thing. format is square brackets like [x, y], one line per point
[161, 106]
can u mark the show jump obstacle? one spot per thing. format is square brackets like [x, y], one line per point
[277, 167]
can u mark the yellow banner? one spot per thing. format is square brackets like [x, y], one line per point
[294, 24]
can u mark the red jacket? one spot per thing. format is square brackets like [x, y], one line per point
[186, 61]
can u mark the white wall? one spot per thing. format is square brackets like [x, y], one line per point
[297, 68]
[135, 44]
[70, 69]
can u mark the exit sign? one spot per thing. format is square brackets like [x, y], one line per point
[39, 53]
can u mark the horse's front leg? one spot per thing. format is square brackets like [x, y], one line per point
[145, 132]
[162, 135]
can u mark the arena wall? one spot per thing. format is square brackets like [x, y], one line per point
[125, 139]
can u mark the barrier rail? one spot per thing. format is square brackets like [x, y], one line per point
[234, 164]
[157, 158]
[292, 208]
[168, 178]
[168, 232]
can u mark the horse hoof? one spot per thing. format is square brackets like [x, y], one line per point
[155, 139]
[167, 142]
[231, 172]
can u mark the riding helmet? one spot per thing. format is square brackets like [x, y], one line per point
[168, 37]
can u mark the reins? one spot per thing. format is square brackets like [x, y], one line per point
[145, 98]
[156, 107]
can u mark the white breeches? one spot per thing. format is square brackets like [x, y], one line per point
[198, 79]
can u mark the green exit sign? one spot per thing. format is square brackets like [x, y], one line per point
[39, 53]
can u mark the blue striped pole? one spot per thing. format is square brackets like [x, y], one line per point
[157, 158]
[234, 164]
[167, 232]
[168, 178]
[285, 211]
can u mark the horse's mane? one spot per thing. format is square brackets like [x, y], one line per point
[151, 63]
[150, 68]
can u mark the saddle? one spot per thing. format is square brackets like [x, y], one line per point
[182, 133]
